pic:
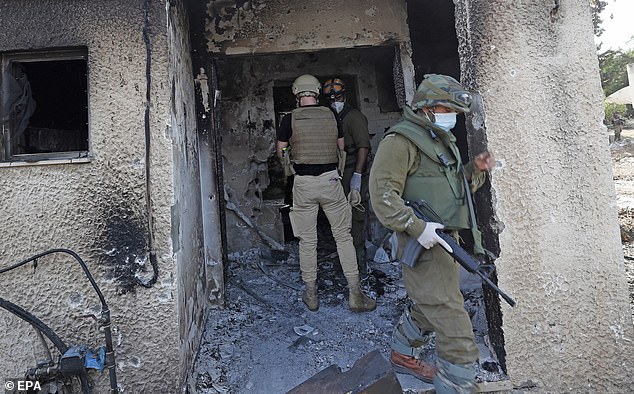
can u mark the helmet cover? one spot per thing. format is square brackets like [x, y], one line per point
[442, 90]
[306, 85]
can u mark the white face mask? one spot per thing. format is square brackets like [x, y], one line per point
[337, 106]
[445, 121]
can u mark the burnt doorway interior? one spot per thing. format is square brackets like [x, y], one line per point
[435, 50]
[256, 93]
[281, 186]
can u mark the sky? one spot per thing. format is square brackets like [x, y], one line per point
[620, 28]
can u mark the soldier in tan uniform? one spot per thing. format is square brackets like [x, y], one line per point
[311, 141]
[418, 159]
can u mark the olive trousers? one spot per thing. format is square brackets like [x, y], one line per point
[325, 191]
[358, 230]
[433, 285]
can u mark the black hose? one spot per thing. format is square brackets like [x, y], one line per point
[146, 120]
[35, 322]
[70, 252]
[44, 344]
[105, 312]
[83, 379]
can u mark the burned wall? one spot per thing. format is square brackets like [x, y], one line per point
[535, 66]
[249, 86]
[248, 118]
[97, 208]
[264, 26]
[188, 227]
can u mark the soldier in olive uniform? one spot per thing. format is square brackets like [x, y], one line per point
[418, 159]
[617, 122]
[355, 178]
[311, 141]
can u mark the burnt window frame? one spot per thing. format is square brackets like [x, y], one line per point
[7, 156]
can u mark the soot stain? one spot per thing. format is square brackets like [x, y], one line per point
[124, 245]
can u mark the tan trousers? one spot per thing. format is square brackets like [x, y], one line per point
[433, 285]
[325, 191]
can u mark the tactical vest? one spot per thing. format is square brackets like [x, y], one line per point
[438, 178]
[314, 138]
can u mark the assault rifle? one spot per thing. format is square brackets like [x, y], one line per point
[413, 249]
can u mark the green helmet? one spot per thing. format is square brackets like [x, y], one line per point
[442, 90]
[306, 85]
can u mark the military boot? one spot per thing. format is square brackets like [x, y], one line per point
[358, 301]
[454, 378]
[310, 296]
[413, 366]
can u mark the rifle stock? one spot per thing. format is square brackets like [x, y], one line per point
[413, 249]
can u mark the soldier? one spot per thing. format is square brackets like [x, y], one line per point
[617, 122]
[418, 159]
[357, 145]
[316, 140]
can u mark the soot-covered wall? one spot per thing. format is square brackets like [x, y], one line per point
[249, 123]
[269, 26]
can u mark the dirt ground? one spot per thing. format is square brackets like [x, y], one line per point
[266, 341]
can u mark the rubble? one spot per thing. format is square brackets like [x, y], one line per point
[372, 374]
[266, 341]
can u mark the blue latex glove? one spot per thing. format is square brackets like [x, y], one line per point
[355, 182]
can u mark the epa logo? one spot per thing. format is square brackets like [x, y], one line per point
[21, 385]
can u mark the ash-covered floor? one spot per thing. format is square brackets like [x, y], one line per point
[266, 340]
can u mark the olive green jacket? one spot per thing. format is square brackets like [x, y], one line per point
[355, 134]
[398, 159]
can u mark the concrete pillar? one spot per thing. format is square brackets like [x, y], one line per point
[553, 195]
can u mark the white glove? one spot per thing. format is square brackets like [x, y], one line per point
[429, 238]
[355, 181]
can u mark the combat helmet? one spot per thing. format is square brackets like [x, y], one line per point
[333, 87]
[306, 85]
[442, 90]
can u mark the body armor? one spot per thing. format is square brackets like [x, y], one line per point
[314, 138]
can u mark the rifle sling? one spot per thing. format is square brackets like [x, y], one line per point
[477, 235]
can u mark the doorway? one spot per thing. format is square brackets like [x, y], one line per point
[256, 93]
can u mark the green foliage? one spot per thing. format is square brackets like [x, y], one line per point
[597, 6]
[611, 109]
[613, 69]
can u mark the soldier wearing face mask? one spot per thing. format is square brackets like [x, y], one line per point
[418, 160]
[355, 177]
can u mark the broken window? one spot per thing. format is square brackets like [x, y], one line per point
[44, 105]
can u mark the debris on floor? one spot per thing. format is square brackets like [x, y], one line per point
[266, 340]
[372, 374]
